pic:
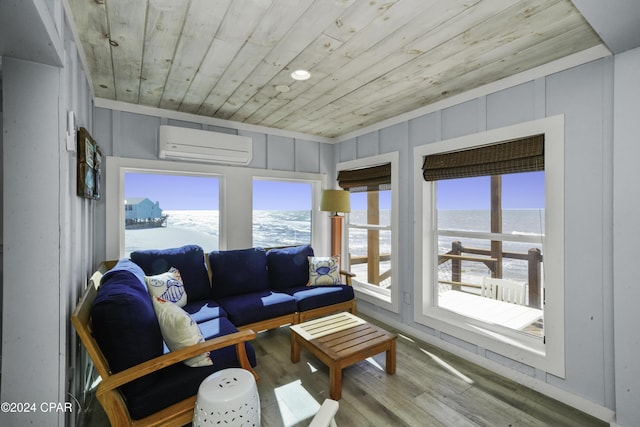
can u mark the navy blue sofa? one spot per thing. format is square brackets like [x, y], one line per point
[228, 293]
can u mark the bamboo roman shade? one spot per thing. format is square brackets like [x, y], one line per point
[366, 179]
[520, 155]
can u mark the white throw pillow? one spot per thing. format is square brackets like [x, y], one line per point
[179, 330]
[168, 286]
[324, 270]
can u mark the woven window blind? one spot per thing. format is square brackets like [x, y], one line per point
[373, 178]
[520, 155]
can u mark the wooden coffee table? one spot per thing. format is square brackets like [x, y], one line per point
[340, 340]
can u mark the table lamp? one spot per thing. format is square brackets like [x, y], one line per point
[335, 201]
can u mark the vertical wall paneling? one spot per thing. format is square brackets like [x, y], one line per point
[31, 353]
[578, 94]
[280, 153]
[307, 156]
[626, 229]
[583, 95]
[368, 145]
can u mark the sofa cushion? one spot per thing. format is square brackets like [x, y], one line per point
[189, 260]
[310, 297]
[257, 306]
[237, 272]
[203, 310]
[324, 270]
[179, 330]
[124, 322]
[178, 382]
[288, 267]
[168, 286]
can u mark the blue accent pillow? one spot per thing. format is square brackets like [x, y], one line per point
[125, 324]
[189, 260]
[289, 267]
[237, 272]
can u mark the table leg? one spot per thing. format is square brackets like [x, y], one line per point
[295, 349]
[335, 382]
[391, 358]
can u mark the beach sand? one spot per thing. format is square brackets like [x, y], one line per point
[167, 237]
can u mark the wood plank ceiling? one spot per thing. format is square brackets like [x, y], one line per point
[369, 60]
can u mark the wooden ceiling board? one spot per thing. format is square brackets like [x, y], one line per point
[202, 21]
[162, 33]
[370, 60]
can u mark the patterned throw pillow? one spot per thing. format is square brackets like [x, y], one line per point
[179, 330]
[168, 286]
[324, 271]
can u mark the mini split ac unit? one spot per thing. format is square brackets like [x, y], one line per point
[203, 146]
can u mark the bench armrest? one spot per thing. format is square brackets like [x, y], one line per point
[238, 338]
[347, 276]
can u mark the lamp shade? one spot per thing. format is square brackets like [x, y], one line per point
[335, 201]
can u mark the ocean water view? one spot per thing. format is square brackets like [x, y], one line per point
[515, 223]
[282, 228]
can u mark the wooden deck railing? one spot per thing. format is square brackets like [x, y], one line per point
[459, 253]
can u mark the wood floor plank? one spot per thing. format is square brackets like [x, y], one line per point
[430, 388]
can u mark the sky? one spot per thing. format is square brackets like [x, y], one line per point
[179, 192]
[519, 191]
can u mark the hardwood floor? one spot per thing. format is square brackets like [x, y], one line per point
[430, 388]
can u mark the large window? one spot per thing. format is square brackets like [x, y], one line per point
[156, 203]
[490, 264]
[281, 213]
[371, 227]
[169, 210]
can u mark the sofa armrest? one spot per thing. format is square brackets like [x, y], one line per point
[347, 276]
[238, 339]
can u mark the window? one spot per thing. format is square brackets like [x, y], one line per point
[370, 228]
[208, 205]
[281, 213]
[491, 207]
[170, 210]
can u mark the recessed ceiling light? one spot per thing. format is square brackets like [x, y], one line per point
[300, 75]
[282, 88]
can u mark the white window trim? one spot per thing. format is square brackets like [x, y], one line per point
[388, 300]
[547, 355]
[236, 210]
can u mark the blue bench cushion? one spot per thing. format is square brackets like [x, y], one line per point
[203, 310]
[178, 382]
[289, 267]
[257, 306]
[125, 324]
[189, 260]
[310, 297]
[238, 272]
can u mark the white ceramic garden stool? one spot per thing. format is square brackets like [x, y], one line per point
[228, 397]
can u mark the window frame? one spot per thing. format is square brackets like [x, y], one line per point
[388, 300]
[314, 202]
[547, 354]
[236, 195]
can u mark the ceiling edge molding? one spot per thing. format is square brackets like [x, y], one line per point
[587, 55]
[194, 118]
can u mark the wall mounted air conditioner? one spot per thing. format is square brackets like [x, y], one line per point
[203, 146]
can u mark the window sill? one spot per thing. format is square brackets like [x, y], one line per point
[380, 297]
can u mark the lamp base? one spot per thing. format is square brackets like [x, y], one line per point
[336, 235]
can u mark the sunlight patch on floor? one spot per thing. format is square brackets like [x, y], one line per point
[448, 367]
[295, 403]
[375, 363]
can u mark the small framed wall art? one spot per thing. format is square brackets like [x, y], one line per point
[89, 163]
